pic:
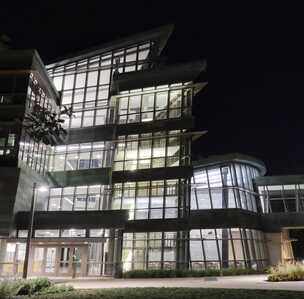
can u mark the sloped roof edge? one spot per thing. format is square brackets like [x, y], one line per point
[234, 157]
[161, 34]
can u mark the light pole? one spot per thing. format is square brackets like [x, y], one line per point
[30, 230]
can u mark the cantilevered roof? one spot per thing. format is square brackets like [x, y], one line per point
[234, 157]
[160, 35]
[280, 180]
[184, 72]
[26, 61]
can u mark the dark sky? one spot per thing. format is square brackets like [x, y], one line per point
[254, 101]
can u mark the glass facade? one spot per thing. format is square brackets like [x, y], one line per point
[93, 257]
[85, 84]
[81, 156]
[7, 144]
[151, 150]
[148, 199]
[229, 247]
[80, 198]
[155, 103]
[153, 250]
[225, 186]
[150, 135]
[282, 198]
[35, 154]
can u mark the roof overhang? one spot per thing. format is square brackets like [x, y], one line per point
[159, 35]
[184, 72]
[280, 180]
[19, 62]
[228, 158]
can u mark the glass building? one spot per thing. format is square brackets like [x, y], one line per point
[121, 191]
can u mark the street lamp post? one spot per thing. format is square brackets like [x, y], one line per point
[29, 234]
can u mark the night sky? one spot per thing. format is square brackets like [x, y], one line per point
[254, 101]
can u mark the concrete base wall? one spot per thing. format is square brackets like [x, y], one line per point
[274, 246]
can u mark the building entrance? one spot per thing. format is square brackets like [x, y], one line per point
[59, 260]
[297, 235]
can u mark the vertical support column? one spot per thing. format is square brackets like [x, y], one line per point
[109, 258]
[225, 201]
[117, 265]
[2, 254]
[30, 234]
[182, 250]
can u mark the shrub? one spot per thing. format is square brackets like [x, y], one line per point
[54, 289]
[30, 287]
[187, 273]
[286, 272]
[9, 289]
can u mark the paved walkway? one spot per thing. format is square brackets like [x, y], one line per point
[229, 282]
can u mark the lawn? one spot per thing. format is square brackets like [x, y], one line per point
[173, 293]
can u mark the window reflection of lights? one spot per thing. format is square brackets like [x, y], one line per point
[98, 145]
[147, 119]
[68, 200]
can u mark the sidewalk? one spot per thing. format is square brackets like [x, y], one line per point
[229, 282]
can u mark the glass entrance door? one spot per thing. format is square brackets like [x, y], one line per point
[59, 261]
[72, 261]
[43, 261]
[64, 267]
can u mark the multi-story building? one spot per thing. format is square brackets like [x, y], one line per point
[120, 191]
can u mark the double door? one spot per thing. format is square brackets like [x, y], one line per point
[59, 260]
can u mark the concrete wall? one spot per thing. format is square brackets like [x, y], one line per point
[16, 187]
[274, 246]
[9, 177]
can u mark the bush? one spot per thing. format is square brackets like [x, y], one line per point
[9, 289]
[54, 289]
[33, 286]
[286, 272]
[187, 273]
[30, 287]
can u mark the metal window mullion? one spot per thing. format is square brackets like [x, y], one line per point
[268, 198]
[243, 186]
[203, 249]
[165, 187]
[152, 149]
[224, 186]
[137, 55]
[97, 94]
[253, 241]
[209, 188]
[122, 194]
[48, 199]
[150, 199]
[232, 246]
[74, 198]
[137, 153]
[195, 194]
[85, 95]
[283, 199]
[162, 250]
[86, 199]
[125, 152]
[246, 251]
[218, 249]
[233, 188]
[297, 191]
[238, 198]
[146, 248]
